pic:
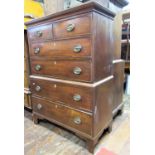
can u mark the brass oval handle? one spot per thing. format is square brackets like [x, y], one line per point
[77, 97]
[77, 48]
[37, 50]
[39, 106]
[38, 88]
[37, 67]
[39, 33]
[77, 70]
[70, 27]
[77, 120]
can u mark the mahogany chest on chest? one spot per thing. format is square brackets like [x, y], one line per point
[71, 69]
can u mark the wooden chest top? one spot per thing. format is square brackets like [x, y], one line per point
[79, 37]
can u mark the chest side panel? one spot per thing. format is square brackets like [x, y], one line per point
[102, 46]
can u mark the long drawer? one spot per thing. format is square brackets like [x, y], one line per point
[62, 115]
[79, 70]
[65, 48]
[75, 96]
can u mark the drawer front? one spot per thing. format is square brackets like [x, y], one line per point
[67, 48]
[69, 117]
[73, 70]
[43, 32]
[72, 27]
[78, 97]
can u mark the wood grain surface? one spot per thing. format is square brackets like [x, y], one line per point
[63, 93]
[62, 48]
[63, 69]
[50, 139]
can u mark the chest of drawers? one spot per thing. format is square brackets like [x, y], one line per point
[71, 69]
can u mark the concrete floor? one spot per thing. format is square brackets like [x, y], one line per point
[49, 139]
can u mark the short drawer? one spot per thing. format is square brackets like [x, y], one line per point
[79, 70]
[63, 115]
[43, 32]
[66, 48]
[72, 27]
[75, 96]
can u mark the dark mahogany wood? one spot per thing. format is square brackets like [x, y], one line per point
[58, 74]
[64, 93]
[62, 48]
[46, 106]
[63, 69]
[45, 32]
[118, 85]
[82, 25]
[101, 55]
[103, 38]
[92, 22]
[63, 115]
[103, 106]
